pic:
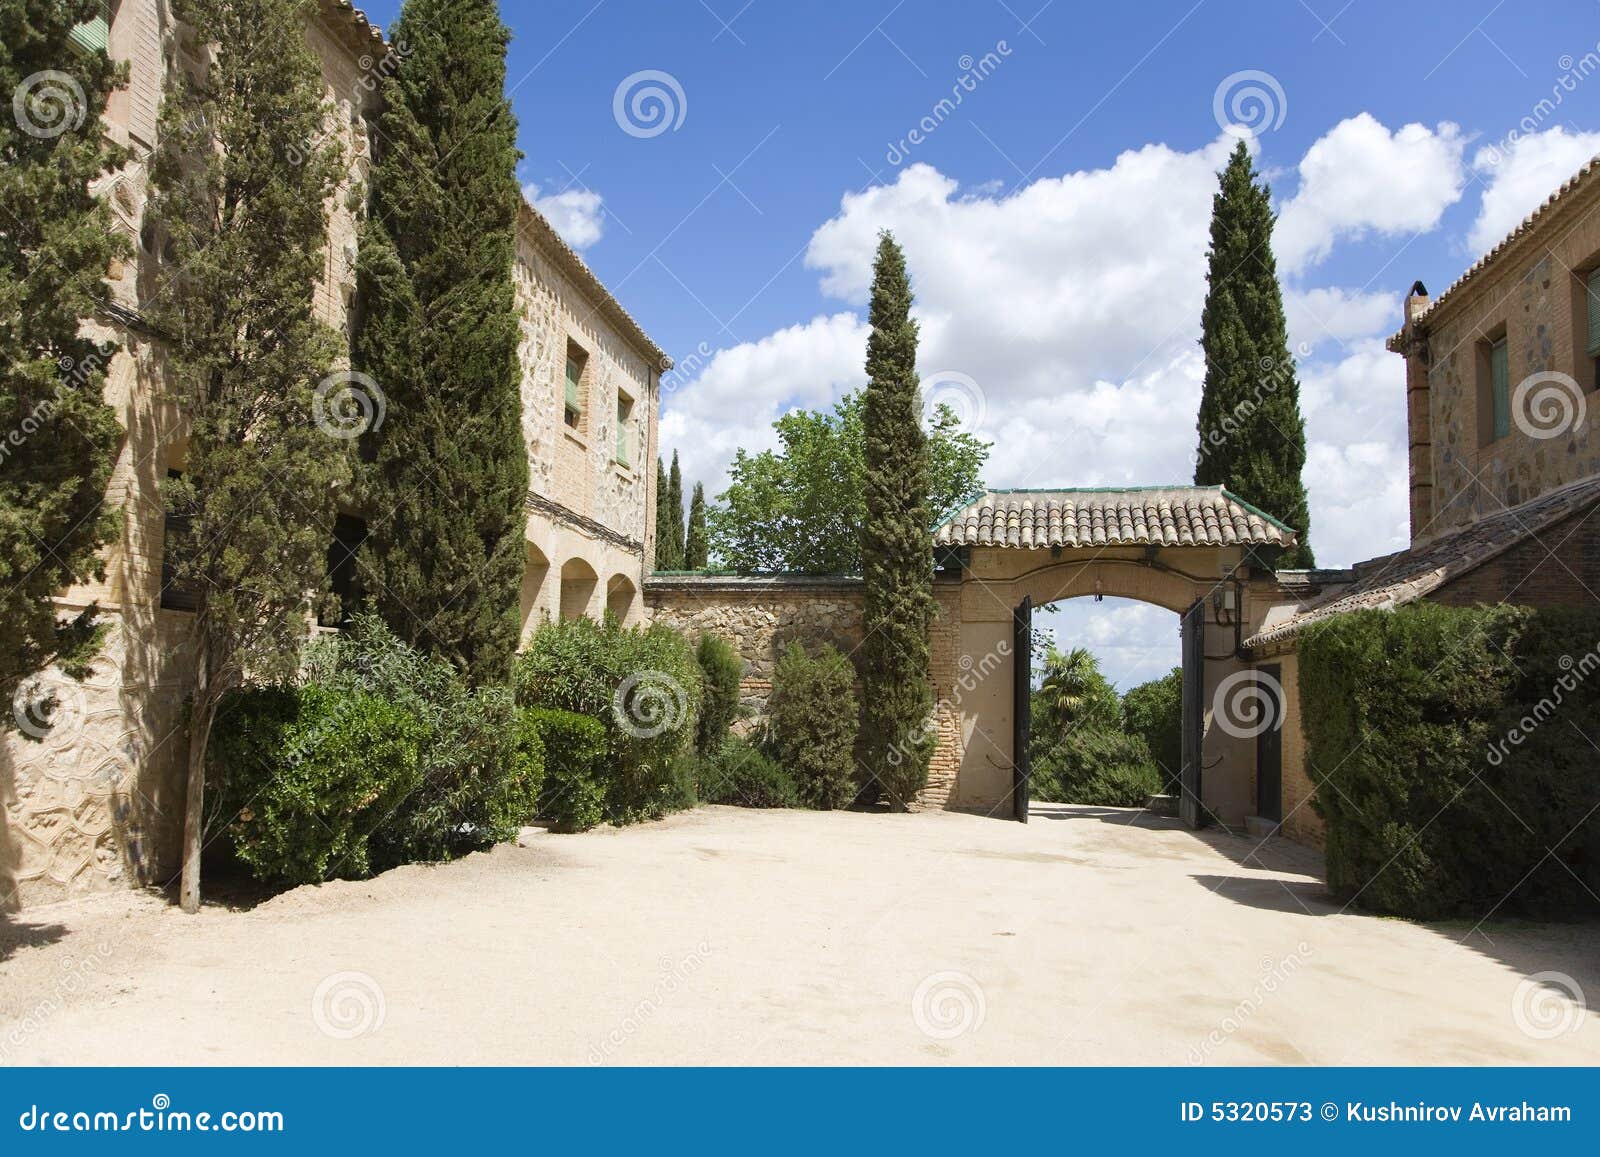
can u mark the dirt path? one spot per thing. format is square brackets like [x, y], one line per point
[727, 936]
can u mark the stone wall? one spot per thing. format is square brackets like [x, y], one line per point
[762, 616]
[1533, 294]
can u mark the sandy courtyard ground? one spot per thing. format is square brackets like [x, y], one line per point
[722, 936]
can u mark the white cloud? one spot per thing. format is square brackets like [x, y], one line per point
[1329, 313]
[1361, 179]
[1520, 175]
[578, 215]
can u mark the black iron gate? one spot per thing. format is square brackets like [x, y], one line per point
[1269, 745]
[1194, 657]
[1021, 705]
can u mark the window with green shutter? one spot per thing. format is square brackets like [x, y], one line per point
[1500, 388]
[624, 417]
[94, 35]
[573, 406]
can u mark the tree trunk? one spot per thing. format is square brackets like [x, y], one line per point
[194, 806]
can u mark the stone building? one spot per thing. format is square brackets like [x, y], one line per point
[97, 796]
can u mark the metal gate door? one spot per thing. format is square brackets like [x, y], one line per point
[1194, 652]
[1021, 705]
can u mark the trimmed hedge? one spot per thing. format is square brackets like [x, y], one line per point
[1454, 760]
[1093, 764]
[812, 716]
[644, 687]
[574, 795]
[741, 774]
[721, 671]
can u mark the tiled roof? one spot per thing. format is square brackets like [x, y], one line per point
[1582, 177]
[1141, 516]
[357, 19]
[1413, 574]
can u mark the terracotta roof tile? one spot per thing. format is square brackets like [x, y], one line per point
[1149, 516]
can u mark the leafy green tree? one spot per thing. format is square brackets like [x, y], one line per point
[1072, 693]
[57, 436]
[696, 548]
[247, 243]
[438, 332]
[800, 508]
[663, 543]
[1154, 711]
[813, 720]
[896, 546]
[677, 534]
[1252, 437]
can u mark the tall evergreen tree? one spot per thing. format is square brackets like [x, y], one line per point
[896, 545]
[57, 435]
[1252, 437]
[246, 353]
[663, 542]
[673, 530]
[696, 546]
[438, 331]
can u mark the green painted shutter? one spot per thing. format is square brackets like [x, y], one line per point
[572, 385]
[1593, 284]
[94, 35]
[622, 431]
[1500, 385]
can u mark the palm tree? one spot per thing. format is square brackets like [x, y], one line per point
[1072, 690]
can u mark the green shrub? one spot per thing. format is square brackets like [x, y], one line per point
[1154, 712]
[1448, 751]
[812, 717]
[1095, 765]
[721, 671]
[643, 685]
[481, 769]
[306, 775]
[741, 774]
[574, 795]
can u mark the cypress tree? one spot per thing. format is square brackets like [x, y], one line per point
[673, 531]
[57, 435]
[663, 544]
[438, 332]
[896, 545]
[1252, 437]
[696, 547]
[239, 194]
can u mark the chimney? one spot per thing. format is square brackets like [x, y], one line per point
[1419, 418]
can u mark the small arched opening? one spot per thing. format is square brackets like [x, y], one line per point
[620, 597]
[534, 607]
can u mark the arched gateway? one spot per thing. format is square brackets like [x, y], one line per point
[1198, 551]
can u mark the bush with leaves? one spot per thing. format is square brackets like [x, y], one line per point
[1154, 712]
[308, 774]
[721, 671]
[574, 794]
[1447, 749]
[812, 717]
[1096, 765]
[741, 774]
[642, 684]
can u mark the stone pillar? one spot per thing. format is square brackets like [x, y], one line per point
[1414, 345]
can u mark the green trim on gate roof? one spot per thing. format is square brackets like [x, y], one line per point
[1222, 490]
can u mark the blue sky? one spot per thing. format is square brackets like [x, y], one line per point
[1054, 220]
